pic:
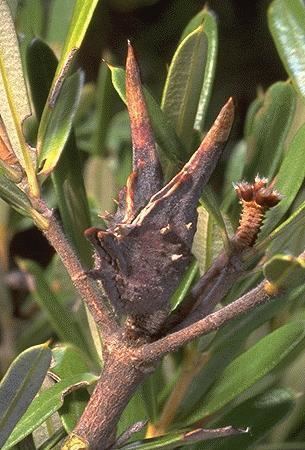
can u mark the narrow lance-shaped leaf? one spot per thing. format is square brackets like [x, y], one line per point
[20, 385]
[45, 404]
[260, 414]
[287, 25]
[59, 124]
[250, 367]
[39, 54]
[288, 181]
[15, 107]
[285, 271]
[82, 14]
[185, 438]
[207, 19]
[67, 176]
[269, 129]
[184, 83]
[81, 17]
[19, 201]
[59, 317]
[68, 361]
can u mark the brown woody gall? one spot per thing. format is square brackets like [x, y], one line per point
[146, 248]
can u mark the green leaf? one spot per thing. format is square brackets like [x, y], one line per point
[250, 367]
[14, 196]
[165, 135]
[260, 413]
[185, 284]
[72, 200]
[284, 230]
[234, 171]
[288, 181]
[205, 245]
[15, 106]
[150, 390]
[104, 110]
[61, 320]
[45, 404]
[67, 176]
[20, 385]
[59, 18]
[69, 361]
[134, 412]
[19, 201]
[270, 126]
[52, 142]
[81, 17]
[184, 84]
[29, 23]
[82, 14]
[207, 19]
[209, 201]
[287, 25]
[285, 271]
[39, 55]
[252, 111]
[175, 440]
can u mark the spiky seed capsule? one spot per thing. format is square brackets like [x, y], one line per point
[256, 198]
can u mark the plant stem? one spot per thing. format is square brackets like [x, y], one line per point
[92, 296]
[119, 380]
[204, 326]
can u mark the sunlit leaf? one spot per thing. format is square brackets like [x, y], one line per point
[15, 107]
[287, 25]
[45, 404]
[184, 84]
[260, 414]
[20, 385]
[288, 181]
[285, 271]
[250, 367]
[268, 131]
[207, 19]
[186, 438]
[52, 142]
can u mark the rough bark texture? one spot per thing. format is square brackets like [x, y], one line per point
[122, 374]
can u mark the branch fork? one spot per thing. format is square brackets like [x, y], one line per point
[140, 259]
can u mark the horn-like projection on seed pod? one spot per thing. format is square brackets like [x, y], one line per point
[146, 248]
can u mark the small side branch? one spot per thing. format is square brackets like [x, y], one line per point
[212, 322]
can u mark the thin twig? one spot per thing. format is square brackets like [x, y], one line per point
[212, 322]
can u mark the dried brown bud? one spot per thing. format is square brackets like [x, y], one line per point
[256, 199]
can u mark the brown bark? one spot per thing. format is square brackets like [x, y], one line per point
[122, 374]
